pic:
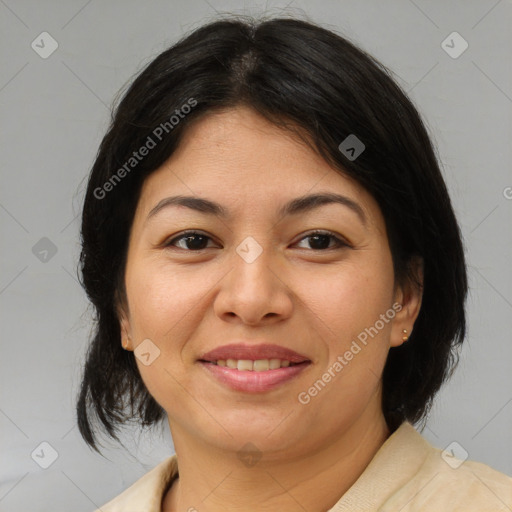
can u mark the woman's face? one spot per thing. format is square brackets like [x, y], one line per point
[258, 276]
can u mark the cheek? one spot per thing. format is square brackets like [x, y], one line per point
[165, 307]
[352, 298]
[160, 297]
[364, 321]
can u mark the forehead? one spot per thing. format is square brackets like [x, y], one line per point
[241, 160]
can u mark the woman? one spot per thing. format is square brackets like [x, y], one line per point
[290, 371]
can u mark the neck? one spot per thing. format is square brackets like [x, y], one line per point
[209, 480]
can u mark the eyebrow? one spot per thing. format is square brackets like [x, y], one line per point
[295, 206]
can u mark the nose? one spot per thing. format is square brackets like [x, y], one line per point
[254, 293]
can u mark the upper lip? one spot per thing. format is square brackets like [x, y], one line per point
[253, 352]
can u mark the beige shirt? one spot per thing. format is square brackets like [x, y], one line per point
[407, 474]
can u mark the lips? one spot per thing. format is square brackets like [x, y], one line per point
[240, 351]
[238, 366]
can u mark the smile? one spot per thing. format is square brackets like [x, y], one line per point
[260, 365]
[252, 368]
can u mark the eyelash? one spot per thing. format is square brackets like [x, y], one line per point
[339, 243]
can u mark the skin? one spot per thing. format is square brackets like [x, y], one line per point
[314, 301]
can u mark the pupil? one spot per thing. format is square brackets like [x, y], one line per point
[195, 245]
[319, 245]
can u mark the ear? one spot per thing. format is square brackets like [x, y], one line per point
[125, 327]
[409, 295]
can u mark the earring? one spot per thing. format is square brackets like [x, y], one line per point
[125, 344]
[405, 337]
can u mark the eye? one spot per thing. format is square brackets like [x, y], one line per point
[190, 240]
[320, 240]
[197, 241]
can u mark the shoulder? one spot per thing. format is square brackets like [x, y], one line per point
[444, 482]
[466, 484]
[145, 495]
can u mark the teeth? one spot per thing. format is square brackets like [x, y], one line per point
[244, 364]
[260, 365]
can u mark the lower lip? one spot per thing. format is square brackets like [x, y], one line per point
[252, 381]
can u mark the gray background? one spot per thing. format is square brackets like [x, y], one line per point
[54, 114]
